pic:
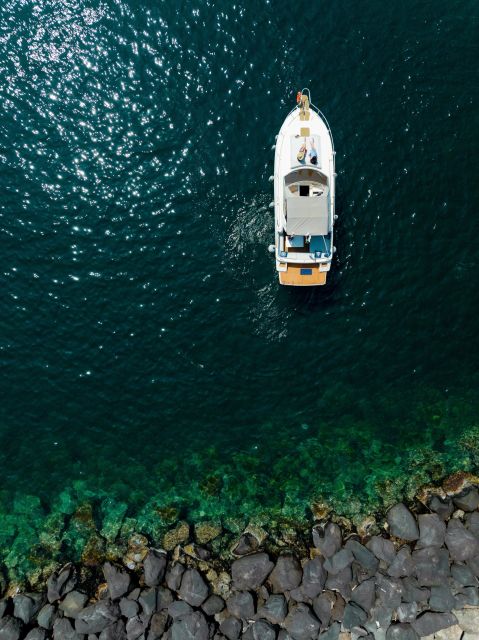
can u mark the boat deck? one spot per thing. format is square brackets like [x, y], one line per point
[302, 275]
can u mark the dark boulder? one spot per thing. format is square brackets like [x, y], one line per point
[10, 628]
[401, 632]
[301, 624]
[432, 531]
[36, 634]
[117, 579]
[251, 571]
[332, 633]
[94, 618]
[441, 599]
[328, 539]
[463, 575]
[174, 575]
[468, 501]
[413, 592]
[73, 603]
[286, 575]
[337, 563]
[354, 616]
[61, 582]
[158, 624]
[149, 600]
[137, 626]
[274, 609]
[154, 566]
[402, 565]
[129, 608]
[194, 589]
[365, 594]
[63, 630]
[428, 623]
[431, 566]
[467, 597]
[46, 616]
[212, 605]
[246, 544]
[407, 611]
[341, 582]
[241, 605]
[263, 630]
[363, 556]
[472, 522]
[388, 591]
[114, 631]
[402, 523]
[190, 627]
[382, 548]
[179, 608]
[314, 578]
[443, 508]
[323, 607]
[26, 606]
[231, 628]
[461, 543]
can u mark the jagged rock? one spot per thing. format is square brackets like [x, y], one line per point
[179, 608]
[354, 616]
[154, 566]
[73, 603]
[323, 607]
[136, 627]
[365, 594]
[94, 618]
[25, 607]
[431, 566]
[329, 541]
[301, 624]
[407, 611]
[342, 559]
[164, 598]
[432, 531]
[212, 605]
[61, 582]
[402, 523]
[173, 576]
[468, 619]
[341, 582]
[129, 608]
[118, 580]
[463, 575]
[402, 565]
[382, 548]
[240, 604]
[190, 627]
[10, 628]
[443, 507]
[3, 604]
[467, 597]
[286, 574]
[274, 609]
[468, 501]
[246, 544]
[332, 633]
[36, 634]
[472, 522]
[429, 622]
[63, 630]
[262, 630]
[413, 592]
[364, 556]
[389, 591]
[231, 628]
[314, 578]
[401, 632]
[114, 631]
[193, 589]
[249, 572]
[158, 624]
[441, 599]
[46, 616]
[461, 543]
[149, 600]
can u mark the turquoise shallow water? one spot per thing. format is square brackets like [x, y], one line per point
[146, 348]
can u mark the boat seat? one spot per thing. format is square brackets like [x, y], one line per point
[295, 241]
[317, 243]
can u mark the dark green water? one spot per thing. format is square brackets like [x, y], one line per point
[147, 351]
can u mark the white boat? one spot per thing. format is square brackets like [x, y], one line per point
[304, 176]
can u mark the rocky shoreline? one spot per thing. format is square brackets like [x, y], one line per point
[413, 575]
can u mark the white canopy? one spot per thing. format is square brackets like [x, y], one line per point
[307, 215]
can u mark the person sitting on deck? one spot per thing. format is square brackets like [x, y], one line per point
[313, 154]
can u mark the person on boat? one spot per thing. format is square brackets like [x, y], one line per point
[302, 152]
[313, 154]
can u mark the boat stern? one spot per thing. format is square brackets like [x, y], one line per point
[302, 275]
